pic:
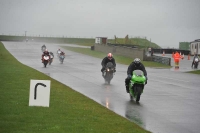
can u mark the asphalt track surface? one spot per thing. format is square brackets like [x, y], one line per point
[170, 102]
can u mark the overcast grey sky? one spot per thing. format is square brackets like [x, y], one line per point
[166, 22]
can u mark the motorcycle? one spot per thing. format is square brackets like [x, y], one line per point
[43, 48]
[109, 72]
[196, 63]
[61, 58]
[45, 60]
[51, 58]
[136, 85]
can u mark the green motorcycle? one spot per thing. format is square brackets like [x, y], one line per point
[136, 85]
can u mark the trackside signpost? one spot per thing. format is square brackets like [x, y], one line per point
[39, 93]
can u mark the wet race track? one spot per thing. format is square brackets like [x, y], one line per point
[170, 102]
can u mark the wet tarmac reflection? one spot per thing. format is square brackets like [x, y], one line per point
[135, 112]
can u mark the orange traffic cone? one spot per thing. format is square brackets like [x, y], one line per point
[183, 56]
[188, 56]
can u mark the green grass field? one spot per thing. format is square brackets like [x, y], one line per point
[195, 72]
[69, 111]
[118, 59]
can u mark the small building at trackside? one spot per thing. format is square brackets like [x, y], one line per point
[101, 40]
[195, 47]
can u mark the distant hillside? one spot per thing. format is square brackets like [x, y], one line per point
[141, 42]
[80, 41]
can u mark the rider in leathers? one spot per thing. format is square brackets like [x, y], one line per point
[195, 56]
[46, 52]
[135, 65]
[108, 58]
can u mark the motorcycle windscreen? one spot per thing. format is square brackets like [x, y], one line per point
[109, 65]
[46, 57]
[138, 73]
[62, 56]
[138, 77]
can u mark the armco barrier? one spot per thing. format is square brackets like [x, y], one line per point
[163, 60]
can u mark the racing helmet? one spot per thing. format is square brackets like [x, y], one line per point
[136, 61]
[109, 56]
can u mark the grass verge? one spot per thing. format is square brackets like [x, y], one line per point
[194, 72]
[69, 111]
[118, 58]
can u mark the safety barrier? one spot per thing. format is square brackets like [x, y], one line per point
[163, 60]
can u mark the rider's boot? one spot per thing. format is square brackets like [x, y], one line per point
[127, 88]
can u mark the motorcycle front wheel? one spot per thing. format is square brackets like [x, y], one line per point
[138, 97]
[45, 64]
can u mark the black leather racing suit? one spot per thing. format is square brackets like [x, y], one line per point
[105, 61]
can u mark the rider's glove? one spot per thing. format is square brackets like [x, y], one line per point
[129, 76]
